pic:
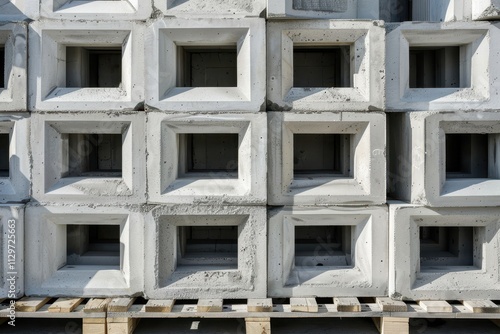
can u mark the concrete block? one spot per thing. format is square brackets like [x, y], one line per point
[352, 65]
[168, 60]
[15, 170]
[443, 253]
[67, 56]
[485, 9]
[327, 252]
[440, 10]
[442, 66]
[445, 159]
[13, 58]
[326, 158]
[89, 158]
[111, 264]
[96, 10]
[207, 159]
[318, 9]
[11, 251]
[182, 266]
[217, 8]
[18, 10]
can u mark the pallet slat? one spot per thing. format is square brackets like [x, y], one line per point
[30, 304]
[481, 306]
[347, 304]
[303, 305]
[165, 305]
[96, 305]
[120, 304]
[389, 305]
[260, 305]
[65, 305]
[433, 306]
[209, 305]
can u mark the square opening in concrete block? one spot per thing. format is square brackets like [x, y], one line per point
[443, 253]
[4, 154]
[437, 67]
[323, 246]
[207, 158]
[325, 65]
[85, 157]
[207, 67]
[93, 67]
[322, 66]
[221, 69]
[208, 155]
[321, 158]
[87, 65]
[96, 9]
[93, 155]
[317, 155]
[445, 247]
[95, 251]
[467, 155]
[208, 246]
[327, 251]
[93, 245]
[206, 251]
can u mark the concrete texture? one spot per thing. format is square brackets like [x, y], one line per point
[366, 42]
[485, 9]
[417, 158]
[54, 156]
[166, 278]
[441, 10]
[476, 89]
[316, 9]
[95, 10]
[50, 39]
[217, 8]
[364, 273]
[409, 279]
[168, 35]
[363, 176]
[239, 180]
[47, 272]
[18, 10]
[13, 92]
[15, 182]
[11, 250]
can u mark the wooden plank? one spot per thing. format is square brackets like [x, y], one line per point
[94, 326]
[120, 304]
[394, 326]
[209, 305]
[260, 305]
[389, 305]
[65, 305]
[126, 326]
[347, 304]
[481, 306]
[258, 325]
[30, 304]
[165, 305]
[96, 305]
[433, 306]
[298, 304]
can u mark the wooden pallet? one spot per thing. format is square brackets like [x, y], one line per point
[121, 315]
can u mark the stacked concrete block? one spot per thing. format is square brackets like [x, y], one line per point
[65, 56]
[348, 55]
[11, 250]
[89, 157]
[173, 41]
[228, 261]
[84, 251]
[328, 252]
[442, 66]
[348, 169]
[443, 253]
[95, 10]
[200, 8]
[13, 73]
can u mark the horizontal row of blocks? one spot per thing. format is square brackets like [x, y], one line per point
[150, 70]
[153, 157]
[435, 10]
[385, 253]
